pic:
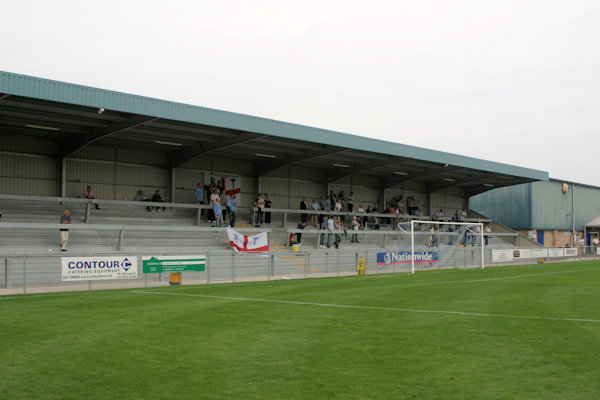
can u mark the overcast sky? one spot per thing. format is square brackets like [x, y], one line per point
[516, 82]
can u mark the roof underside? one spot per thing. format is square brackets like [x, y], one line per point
[69, 114]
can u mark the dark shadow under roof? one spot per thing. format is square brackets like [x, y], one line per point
[69, 114]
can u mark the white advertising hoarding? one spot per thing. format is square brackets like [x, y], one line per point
[98, 268]
[502, 255]
[570, 252]
[555, 252]
[538, 253]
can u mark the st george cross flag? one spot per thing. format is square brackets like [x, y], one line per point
[243, 243]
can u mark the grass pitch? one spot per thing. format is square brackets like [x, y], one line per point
[527, 332]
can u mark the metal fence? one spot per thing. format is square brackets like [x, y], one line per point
[33, 273]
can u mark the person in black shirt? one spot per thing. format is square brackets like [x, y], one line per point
[268, 204]
[158, 199]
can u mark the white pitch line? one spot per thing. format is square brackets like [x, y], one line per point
[530, 275]
[433, 281]
[27, 296]
[306, 303]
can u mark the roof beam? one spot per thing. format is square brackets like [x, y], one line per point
[359, 168]
[470, 179]
[267, 167]
[180, 157]
[96, 134]
[391, 181]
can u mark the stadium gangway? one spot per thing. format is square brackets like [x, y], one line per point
[124, 228]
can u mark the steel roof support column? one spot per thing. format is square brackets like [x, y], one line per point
[325, 180]
[171, 186]
[381, 198]
[466, 204]
[62, 169]
[255, 187]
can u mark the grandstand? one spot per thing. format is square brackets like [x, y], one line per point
[57, 138]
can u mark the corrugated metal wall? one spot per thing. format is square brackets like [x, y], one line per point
[447, 201]
[30, 145]
[362, 194]
[118, 174]
[277, 189]
[539, 205]
[587, 205]
[552, 208]
[28, 175]
[509, 206]
[114, 181]
[186, 182]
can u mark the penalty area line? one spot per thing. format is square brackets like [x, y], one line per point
[348, 306]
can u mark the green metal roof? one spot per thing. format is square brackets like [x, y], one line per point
[50, 90]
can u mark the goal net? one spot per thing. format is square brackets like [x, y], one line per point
[437, 245]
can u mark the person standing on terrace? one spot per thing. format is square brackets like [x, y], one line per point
[314, 218]
[199, 196]
[65, 219]
[89, 194]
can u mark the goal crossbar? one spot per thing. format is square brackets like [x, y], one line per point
[470, 226]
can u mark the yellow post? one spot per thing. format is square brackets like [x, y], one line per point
[175, 278]
[360, 266]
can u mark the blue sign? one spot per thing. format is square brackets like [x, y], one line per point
[405, 257]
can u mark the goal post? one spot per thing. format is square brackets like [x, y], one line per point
[457, 233]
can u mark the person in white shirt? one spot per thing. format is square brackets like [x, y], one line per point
[351, 202]
[338, 206]
[582, 244]
[259, 203]
[330, 229]
[355, 227]
[314, 218]
[488, 230]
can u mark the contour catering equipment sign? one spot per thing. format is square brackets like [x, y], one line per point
[98, 268]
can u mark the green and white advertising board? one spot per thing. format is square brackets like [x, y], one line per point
[160, 264]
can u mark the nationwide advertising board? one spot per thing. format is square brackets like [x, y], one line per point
[405, 257]
[160, 264]
[98, 268]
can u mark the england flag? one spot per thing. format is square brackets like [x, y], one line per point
[243, 243]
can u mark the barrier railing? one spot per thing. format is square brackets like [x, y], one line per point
[121, 229]
[28, 273]
[527, 255]
[250, 212]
